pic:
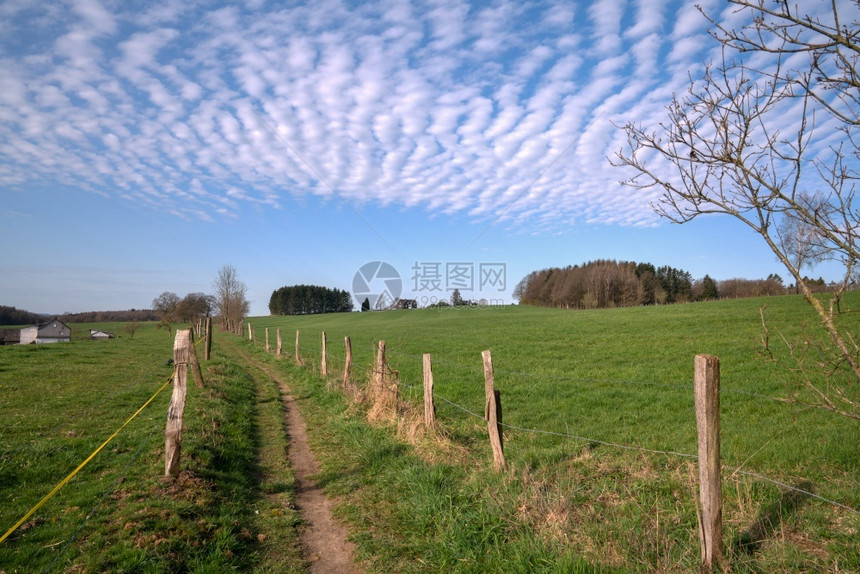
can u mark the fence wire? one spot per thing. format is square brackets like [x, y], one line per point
[72, 474]
[689, 387]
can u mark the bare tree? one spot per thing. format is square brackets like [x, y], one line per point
[800, 241]
[166, 305]
[230, 299]
[195, 306]
[131, 328]
[729, 145]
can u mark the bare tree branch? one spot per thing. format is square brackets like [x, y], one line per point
[753, 138]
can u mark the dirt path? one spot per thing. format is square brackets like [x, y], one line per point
[324, 539]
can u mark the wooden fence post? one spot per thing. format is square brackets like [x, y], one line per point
[493, 412]
[207, 354]
[195, 364]
[323, 369]
[429, 406]
[379, 372]
[298, 357]
[385, 391]
[707, 394]
[280, 345]
[250, 332]
[173, 432]
[347, 364]
[267, 339]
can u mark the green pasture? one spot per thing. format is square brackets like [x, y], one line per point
[60, 402]
[615, 375]
[600, 443]
[590, 395]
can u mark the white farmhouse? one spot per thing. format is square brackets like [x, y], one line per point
[51, 331]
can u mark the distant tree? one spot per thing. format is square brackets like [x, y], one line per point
[111, 316]
[456, 298]
[165, 305]
[13, 316]
[131, 328]
[365, 305]
[709, 289]
[309, 299]
[230, 299]
[194, 306]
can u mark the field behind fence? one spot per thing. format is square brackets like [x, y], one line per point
[82, 460]
[598, 423]
[619, 384]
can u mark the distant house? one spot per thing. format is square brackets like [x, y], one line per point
[407, 304]
[95, 334]
[10, 336]
[51, 331]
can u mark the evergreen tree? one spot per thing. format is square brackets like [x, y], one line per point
[309, 299]
[709, 289]
[456, 298]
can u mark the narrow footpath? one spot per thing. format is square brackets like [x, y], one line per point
[325, 540]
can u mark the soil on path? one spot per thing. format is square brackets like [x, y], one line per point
[324, 539]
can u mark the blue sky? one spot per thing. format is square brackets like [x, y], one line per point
[143, 145]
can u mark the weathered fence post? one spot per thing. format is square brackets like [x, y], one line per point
[250, 332]
[207, 354]
[347, 363]
[707, 394]
[298, 357]
[173, 432]
[493, 412]
[267, 339]
[323, 369]
[379, 372]
[384, 388]
[195, 364]
[429, 406]
[280, 345]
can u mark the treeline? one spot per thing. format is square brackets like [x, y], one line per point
[608, 283]
[13, 316]
[605, 283]
[309, 300]
[129, 316]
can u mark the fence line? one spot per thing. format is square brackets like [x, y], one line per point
[334, 353]
[692, 457]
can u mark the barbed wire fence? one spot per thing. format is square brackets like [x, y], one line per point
[311, 350]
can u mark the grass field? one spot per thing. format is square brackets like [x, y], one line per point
[60, 402]
[588, 397]
[583, 381]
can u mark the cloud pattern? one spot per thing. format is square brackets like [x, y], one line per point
[201, 109]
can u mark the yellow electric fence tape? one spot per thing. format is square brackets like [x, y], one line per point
[82, 465]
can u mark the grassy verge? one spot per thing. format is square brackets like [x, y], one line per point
[408, 514]
[574, 386]
[60, 402]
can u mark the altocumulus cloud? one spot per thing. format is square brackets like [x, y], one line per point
[200, 109]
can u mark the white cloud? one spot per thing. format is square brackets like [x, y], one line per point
[439, 106]
[95, 16]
